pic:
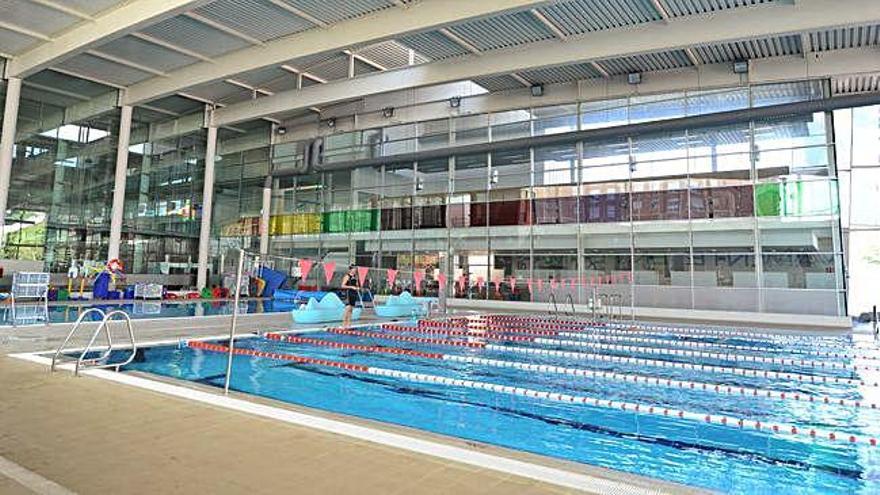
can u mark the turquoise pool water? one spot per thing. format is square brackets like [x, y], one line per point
[582, 393]
[30, 314]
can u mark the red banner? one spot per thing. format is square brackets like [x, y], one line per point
[417, 280]
[441, 279]
[329, 268]
[391, 275]
[362, 274]
[305, 266]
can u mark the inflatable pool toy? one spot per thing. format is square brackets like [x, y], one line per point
[329, 309]
[400, 306]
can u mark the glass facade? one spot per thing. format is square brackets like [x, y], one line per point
[742, 217]
[745, 216]
[857, 133]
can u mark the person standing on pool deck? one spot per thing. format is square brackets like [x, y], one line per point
[351, 287]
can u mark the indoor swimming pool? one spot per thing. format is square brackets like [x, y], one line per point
[68, 313]
[721, 409]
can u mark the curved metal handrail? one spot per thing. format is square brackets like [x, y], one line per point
[105, 323]
[555, 310]
[569, 299]
[73, 330]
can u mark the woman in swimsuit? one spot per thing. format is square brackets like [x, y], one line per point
[351, 288]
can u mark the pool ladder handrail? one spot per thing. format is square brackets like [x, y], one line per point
[570, 300]
[100, 361]
[554, 310]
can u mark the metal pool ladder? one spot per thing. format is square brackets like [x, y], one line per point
[101, 361]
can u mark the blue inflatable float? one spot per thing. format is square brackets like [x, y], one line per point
[401, 306]
[329, 309]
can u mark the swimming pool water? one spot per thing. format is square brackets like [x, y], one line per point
[648, 367]
[34, 314]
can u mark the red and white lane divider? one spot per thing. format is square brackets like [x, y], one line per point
[715, 388]
[627, 336]
[657, 351]
[749, 372]
[740, 333]
[719, 420]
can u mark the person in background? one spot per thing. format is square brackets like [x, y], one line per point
[350, 289]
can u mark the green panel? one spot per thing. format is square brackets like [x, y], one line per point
[363, 220]
[334, 222]
[768, 200]
[808, 198]
[797, 198]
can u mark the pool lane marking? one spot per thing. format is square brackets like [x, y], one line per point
[716, 388]
[595, 333]
[715, 419]
[31, 480]
[724, 356]
[802, 378]
[742, 333]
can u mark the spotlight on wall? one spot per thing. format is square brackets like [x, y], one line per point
[388, 112]
[537, 89]
[741, 67]
[281, 130]
[455, 101]
[331, 123]
[420, 184]
[634, 78]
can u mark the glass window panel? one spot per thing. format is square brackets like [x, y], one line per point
[399, 180]
[865, 196]
[471, 173]
[792, 146]
[433, 134]
[513, 124]
[399, 139]
[656, 107]
[660, 200]
[471, 129]
[799, 271]
[865, 135]
[717, 100]
[719, 150]
[660, 156]
[606, 113]
[781, 93]
[554, 120]
[433, 176]
[555, 165]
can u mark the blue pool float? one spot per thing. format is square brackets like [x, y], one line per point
[401, 306]
[329, 309]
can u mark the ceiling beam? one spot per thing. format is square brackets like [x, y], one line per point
[298, 12]
[127, 63]
[458, 40]
[63, 9]
[57, 91]
[718, 27]
[661, 9]
[381, 26]
[15, 28]
[548, 24]
[219, 26]
[365, 60]
[130, 17]
[520, 79]
[85, 77]
[171, 46]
